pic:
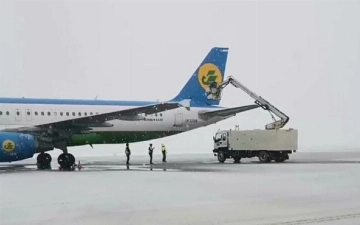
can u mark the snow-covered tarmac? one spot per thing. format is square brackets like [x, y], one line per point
[310, 188]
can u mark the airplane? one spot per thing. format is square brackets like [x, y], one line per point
[34, 125]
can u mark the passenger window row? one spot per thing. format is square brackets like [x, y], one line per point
[62, 113]
[7, 113]
[154, 114]
[49, 113]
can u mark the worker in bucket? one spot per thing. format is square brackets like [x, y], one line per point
[214, 92]
[127, 153]
[151, 148]
[163, 150]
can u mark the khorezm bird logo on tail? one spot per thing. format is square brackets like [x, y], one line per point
[209, 73]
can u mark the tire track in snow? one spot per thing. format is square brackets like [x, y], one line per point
[318, 220]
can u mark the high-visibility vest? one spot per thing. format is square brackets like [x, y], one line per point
[163, 149]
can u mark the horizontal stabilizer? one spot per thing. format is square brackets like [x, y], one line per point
[185, 103]
[226, 112]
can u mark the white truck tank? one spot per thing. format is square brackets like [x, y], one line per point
[266, 144]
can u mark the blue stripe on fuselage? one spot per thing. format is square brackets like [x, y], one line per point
[44, 101]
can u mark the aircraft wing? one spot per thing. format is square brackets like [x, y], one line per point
[226, 112]
[99, 120]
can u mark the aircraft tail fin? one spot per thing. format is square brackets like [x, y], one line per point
[211, 69]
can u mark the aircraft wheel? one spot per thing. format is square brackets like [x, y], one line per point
[43, 161]
[66, 161]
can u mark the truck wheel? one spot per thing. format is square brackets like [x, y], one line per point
[264, 156]
[221, 157]
[237, 159]
[279, 159]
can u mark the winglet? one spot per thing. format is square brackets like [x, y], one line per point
[185, 103]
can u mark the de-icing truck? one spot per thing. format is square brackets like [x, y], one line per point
[273, 143]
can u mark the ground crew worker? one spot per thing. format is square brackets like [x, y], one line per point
[128, 153]
[163, 150]
[151, 148]
[79, 166]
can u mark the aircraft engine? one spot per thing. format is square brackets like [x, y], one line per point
[17, 146]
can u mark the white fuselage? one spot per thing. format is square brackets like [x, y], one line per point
[20, 115]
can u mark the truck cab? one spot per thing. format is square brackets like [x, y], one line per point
[221, 140]
[222, 147]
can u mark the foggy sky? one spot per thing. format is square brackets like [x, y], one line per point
[302, 56]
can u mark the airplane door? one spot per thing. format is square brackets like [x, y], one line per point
[17, 115]
[178, 118]
[28, 115]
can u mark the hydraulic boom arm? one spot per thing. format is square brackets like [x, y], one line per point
[215, 94]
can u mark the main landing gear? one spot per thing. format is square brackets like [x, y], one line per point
[43, 161]
[65, 160]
